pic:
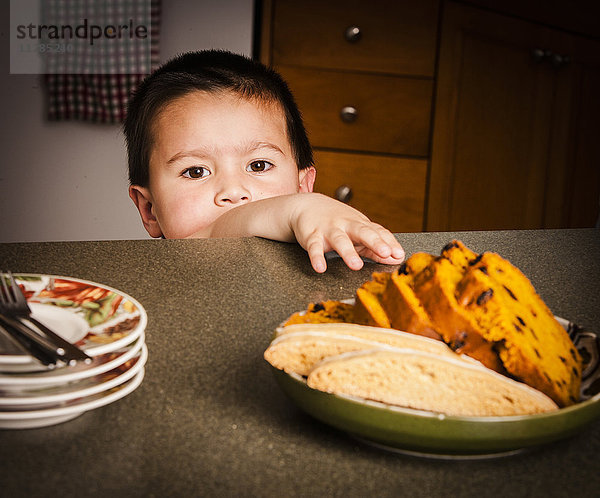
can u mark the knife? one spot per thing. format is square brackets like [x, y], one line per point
[43, 355]
[38, 346]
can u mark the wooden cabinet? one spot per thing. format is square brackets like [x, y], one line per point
[379, 36]
[392, 115]
[447, 115]
[362, 75]
[395, 187]
[517, 106]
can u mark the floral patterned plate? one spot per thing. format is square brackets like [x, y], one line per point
[95, 317]
[30, 419]
[19, 383]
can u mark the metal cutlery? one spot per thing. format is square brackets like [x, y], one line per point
[17, 319]
[24, 344]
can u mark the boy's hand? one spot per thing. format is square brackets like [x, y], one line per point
[318, 223]
[321, 224]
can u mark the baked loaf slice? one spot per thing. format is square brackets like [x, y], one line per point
[368, 309]
[402, 306]
[435, 288]
[324, 312]
[531, 344]
[426, 381]
[297, 348]
[458, 254]
[486, 308]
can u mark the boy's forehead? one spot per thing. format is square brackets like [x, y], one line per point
[182, 111]
[195, 99]
[191, 103]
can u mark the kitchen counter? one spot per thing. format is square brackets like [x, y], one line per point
[209, 419]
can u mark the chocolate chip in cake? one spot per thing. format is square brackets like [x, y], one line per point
[477, 260]
[537, 353]
[459, 340]
[521, 321]
[318, 307]
[403, 270]
[517, 328]
[563, 359]
[483, 269]
[449, 245]
[510, 293]
[484, 297]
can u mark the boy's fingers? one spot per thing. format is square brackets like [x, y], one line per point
[344, 246]
[367, 253]
[397, 250]
[316, 254]
[377, 239]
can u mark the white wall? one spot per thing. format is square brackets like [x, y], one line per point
[68, 180]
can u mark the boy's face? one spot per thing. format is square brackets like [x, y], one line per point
[211, 153]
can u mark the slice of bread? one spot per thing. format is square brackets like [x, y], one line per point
[298, 347]
[425, 381]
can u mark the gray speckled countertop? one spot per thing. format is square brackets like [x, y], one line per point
[209, 418]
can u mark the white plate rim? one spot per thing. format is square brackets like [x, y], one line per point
[88, 391]
[90, 350]
[84, 406]
[56, 377]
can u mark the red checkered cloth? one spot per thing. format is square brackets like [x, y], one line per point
[97, 87]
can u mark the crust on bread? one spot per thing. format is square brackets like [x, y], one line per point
[297, 348]
[425, 381]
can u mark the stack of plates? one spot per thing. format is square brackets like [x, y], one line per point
[106, 323]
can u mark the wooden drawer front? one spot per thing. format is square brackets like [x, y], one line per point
[390, 191]
[393, 112]
[395, 36]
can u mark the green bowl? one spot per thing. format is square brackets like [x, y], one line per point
[436, 434]
[433, 434]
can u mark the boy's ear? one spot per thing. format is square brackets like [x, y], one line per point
[142, 199]
[307, 179]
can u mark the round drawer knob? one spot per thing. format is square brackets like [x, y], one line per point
[349, 114]
[343, 193]
[539, 54]
[560, 60]
[352, 34]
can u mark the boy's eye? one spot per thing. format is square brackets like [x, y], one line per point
[196, 172]
[259, 166]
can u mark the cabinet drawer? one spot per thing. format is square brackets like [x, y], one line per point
[395, 37]
[390, 191]
[393, 113]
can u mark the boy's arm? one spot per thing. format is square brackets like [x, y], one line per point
[317, 222]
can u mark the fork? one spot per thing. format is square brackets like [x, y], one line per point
[13, 305]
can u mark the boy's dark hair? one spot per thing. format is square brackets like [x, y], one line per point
[210, 71]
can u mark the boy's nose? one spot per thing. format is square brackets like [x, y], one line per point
[233, 194]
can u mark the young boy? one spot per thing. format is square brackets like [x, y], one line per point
[217, 148]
